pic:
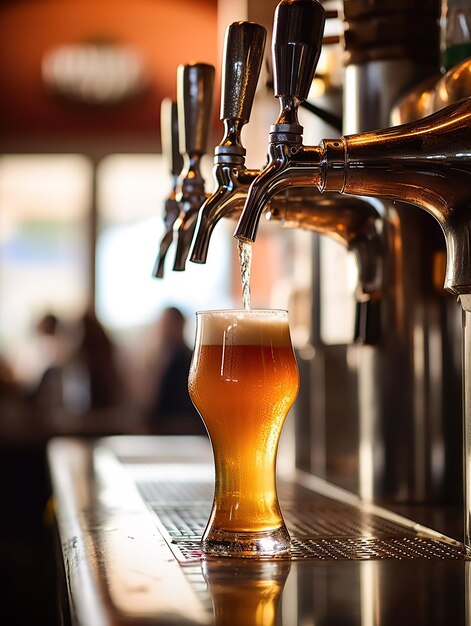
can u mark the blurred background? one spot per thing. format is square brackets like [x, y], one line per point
[82, 189]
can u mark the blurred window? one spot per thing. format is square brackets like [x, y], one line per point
[44, 204]
[131, 193]
[45, 213]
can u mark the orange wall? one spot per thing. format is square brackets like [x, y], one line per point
[165, 32]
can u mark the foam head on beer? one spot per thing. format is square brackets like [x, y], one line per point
[254, 327]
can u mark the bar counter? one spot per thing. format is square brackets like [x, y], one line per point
[130, 512]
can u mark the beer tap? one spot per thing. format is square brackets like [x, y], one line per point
[244, 46]
[354, 222]
[426, 163]
[194, 97]
[174, 160]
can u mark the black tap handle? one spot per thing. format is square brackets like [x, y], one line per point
[244, 46]
[297, 43]
[194, 95]
[169, 136]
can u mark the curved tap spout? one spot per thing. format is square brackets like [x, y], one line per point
[300, 167]
[194, 97]
[190, 199]
[171, 213]
[242, 60]
[227, 200]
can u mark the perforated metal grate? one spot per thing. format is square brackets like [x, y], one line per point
[320, 527]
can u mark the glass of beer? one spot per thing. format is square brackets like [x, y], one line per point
[243, 380]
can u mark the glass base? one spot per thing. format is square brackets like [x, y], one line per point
[258, 545]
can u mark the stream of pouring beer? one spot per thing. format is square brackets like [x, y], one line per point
[245, 260]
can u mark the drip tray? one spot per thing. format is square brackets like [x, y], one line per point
[324, 522]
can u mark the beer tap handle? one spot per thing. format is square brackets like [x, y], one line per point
[194, 96]
[174, 161]
[242, 62]
[297, 41]
[244, 47]
[169, 137]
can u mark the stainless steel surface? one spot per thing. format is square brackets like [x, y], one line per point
[372, 89]
[408, 384]
[120, 570]
[324, 522]
[433, 94]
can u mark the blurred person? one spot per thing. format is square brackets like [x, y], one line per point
[171, 411]
[47, 396]
[81, 390]
[93, 384]
[97, 354]
[43, 349]
[14, 423]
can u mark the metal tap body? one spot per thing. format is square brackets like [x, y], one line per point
[353, 222]
[425, 163]
[189, 123]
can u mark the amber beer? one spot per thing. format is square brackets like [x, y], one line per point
[246, 596]
[243, 380]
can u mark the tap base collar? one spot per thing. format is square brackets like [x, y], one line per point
[229, 155]
[286, 133]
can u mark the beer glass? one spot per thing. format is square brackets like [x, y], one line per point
[243, 380]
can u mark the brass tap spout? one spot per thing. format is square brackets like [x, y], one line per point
[194, 97]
